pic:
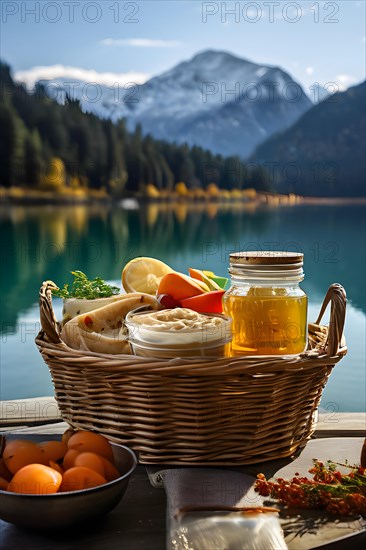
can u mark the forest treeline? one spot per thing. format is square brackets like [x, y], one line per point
[46, 145]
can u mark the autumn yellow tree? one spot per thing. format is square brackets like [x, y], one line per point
[181, 189]
[213, 190]
[54, 176]
[249, 193]
[151, 191]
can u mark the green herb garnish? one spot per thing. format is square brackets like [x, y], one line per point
[87, 289]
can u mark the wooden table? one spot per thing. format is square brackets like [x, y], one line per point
[139, 521]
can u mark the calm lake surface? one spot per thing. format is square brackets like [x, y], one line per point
[39, 243]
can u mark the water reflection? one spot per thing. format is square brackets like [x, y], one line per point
[39, 243]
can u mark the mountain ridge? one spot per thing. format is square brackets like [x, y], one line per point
[325, 146]
[47, 146]
[215, 100]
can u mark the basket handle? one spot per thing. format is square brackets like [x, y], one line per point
[47, 316]
[336, 295]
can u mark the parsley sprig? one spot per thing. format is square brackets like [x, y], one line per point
[87, 289]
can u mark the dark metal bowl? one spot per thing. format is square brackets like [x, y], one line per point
[64, 509]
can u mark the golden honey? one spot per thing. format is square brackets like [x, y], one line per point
[267, 322]
[267, 306]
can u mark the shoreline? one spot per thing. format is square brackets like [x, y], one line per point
[21, 196]
[333, 200]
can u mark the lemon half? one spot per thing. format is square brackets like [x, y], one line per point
[143, 275]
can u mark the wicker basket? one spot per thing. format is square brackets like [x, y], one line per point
[230, 411]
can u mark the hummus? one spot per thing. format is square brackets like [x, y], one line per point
[177, 327]
[177, 319]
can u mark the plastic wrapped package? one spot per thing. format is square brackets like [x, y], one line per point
[228, 531]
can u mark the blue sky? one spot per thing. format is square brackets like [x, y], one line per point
[108, 41]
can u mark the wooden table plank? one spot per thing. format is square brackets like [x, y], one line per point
[52, 428]
[29, 411]
[334, 424]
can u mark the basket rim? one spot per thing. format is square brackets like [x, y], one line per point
[328, 350]
[319, 353]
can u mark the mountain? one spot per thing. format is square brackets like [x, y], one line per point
[52, 147]
[323, 153]
[216, 100]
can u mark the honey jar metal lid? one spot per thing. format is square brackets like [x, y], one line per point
[266, 257]
[267, 265]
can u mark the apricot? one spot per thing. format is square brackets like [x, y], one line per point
[69, 459]
[4, 472]
[2, 444]
[90, 460]
[83, 441]
[66, 435]
[35, 479]
[80, 477]
[110, 471]
[3, 484]
[53, 450]
[19, 453]
[56, 467]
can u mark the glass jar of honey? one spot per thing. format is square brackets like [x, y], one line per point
[267, 306]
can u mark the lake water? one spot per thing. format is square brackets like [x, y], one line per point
[40, 243]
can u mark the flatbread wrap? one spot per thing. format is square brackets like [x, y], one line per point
[102, 330]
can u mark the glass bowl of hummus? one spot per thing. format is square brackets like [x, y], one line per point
[178, 332]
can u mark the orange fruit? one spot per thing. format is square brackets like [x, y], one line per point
[79, 477]
[19, 453]
[90, 460]
[35, 479]
[53, 450]
[83, 441]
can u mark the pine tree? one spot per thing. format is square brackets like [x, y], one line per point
[32, 159]
[7, 145]
[37, 132]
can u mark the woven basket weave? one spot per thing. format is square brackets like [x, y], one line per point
[229, 411]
